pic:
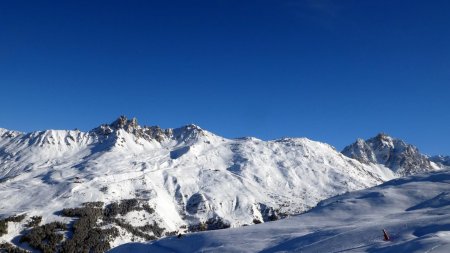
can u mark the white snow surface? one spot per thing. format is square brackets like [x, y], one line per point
[415, 212]
[442, 160]
[188, 175]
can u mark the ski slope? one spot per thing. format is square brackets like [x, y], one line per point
[415, 211]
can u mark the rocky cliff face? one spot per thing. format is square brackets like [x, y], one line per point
[148, 133]
[402, 158]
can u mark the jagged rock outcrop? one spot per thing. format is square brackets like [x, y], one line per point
[402, 158]
[148, 132]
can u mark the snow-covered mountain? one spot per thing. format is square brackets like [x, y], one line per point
[441, 160]
[414, 211]
[400, 157]
[146, 181]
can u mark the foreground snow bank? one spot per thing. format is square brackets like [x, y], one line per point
[415, 211]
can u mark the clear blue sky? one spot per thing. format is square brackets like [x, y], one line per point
[328, 70]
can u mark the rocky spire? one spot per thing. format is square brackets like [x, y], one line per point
[123, 123]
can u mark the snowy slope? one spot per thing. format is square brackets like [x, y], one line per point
[402, 158]
[188, 175]
[443, 161]
[415, 212]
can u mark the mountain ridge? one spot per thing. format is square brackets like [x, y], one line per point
[191, 178]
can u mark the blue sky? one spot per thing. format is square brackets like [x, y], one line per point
[328, 70]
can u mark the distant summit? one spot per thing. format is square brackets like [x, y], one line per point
[441, 160]
[148, 132]
[124, 123]
[402, 158]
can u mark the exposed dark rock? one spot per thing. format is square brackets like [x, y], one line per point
[148, 208]
[400, 157]
[269, 213]
[256, 221]
[110, 132]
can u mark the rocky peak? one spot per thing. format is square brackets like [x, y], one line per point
[383, 139]
[185, 133]
[123, 123]
[402, 158]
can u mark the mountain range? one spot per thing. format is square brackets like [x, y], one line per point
[148, 182]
